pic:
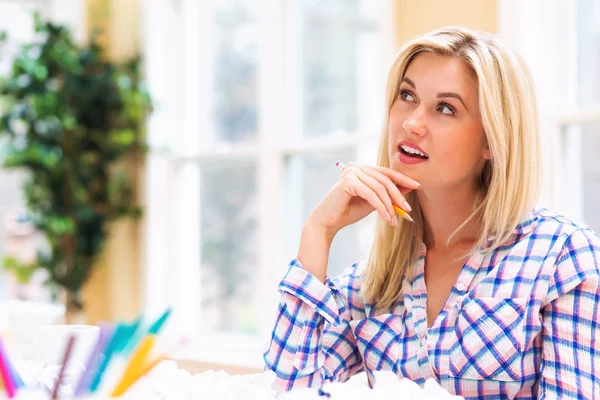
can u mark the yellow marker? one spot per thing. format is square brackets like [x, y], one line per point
[147, 367]
[126, 384]
[135, 365]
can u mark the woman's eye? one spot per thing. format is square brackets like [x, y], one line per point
[446, 109]
[405, 95]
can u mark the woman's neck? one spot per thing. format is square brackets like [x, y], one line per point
[443, 212]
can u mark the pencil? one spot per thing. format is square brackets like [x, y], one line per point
[65, 362]
[398, 210]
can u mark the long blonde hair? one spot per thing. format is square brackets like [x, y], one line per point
[510, 181]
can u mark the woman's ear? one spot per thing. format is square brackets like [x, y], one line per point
[487, 154]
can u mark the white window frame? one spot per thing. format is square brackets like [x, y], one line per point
[544, 33]
[170, 242]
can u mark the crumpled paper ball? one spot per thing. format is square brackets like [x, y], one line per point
[167, 382]
[387, 386]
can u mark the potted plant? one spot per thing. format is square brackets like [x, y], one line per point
[73, 121]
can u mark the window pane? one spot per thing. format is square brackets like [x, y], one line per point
[234, 92]
[309, 178]
[16, 19]
[582, 174]
[228, 246]
[588, 15]
[337, 38]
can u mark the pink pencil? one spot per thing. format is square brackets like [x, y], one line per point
[9, 383]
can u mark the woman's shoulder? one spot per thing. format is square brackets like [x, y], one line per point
[548, 222]
[577, 254]
[578, 243]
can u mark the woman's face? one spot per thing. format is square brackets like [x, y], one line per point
[435, 131]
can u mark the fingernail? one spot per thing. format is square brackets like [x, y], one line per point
[407, 206]
[417, 184]
[389, 218]
[396, 222]
[408, 218]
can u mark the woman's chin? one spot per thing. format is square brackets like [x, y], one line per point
[407, 170]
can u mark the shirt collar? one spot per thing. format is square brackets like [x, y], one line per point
[526, 226]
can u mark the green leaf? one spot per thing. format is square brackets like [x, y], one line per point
[60, 226]
[123, 138]
[22, 272]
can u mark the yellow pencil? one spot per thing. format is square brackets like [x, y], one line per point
[398, 210]
[403, 213]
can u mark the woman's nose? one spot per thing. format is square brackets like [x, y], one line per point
[415, 123]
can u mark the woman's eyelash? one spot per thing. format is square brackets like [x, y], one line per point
[441, 105]
[402, 93]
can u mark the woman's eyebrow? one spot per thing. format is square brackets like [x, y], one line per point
[409, 82]
[452, 94]
[439, 95]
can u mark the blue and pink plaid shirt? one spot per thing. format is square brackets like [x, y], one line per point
[520, 322]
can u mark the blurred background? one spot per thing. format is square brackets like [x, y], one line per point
[253, 102]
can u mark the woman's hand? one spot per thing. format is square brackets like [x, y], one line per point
[360, 190]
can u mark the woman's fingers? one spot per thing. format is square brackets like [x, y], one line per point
[391, 188]
[383, 188]
[382, 193]
[371, 197]
[398, 178]
[355, 187]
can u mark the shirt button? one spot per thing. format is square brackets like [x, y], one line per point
[460, 286]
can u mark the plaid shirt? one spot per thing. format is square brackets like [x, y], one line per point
[520, 322]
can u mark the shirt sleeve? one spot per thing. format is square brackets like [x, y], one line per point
[570, 365]
[312, 341]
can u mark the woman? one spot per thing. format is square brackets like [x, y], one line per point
[483, 292]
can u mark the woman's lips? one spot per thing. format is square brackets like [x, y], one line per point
[406, 159]
[411, 153]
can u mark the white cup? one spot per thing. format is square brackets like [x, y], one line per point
[51, 343]
[20, 318]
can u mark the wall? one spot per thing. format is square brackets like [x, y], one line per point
[413, 18]
[114, 291]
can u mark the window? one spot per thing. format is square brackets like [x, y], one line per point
[581, 172]
[580, 128]
[256, 101]
[560, 42]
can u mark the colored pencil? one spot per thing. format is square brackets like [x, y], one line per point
[63, 367]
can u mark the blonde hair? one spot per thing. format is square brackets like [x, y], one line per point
[510, 180]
